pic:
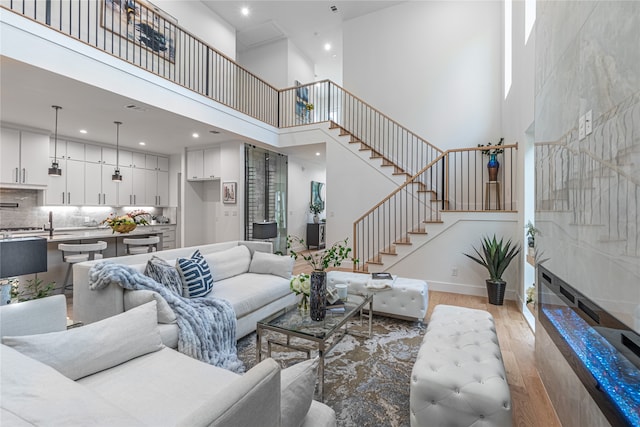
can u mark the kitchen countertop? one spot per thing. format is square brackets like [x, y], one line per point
[89, 233]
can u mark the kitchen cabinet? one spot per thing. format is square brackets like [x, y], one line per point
[157, 163]
[132, 191]
[203, 164]
[99, 189]
[157, 188]
[168, 235]
[98, 154]
[23, 158]
[67, 189]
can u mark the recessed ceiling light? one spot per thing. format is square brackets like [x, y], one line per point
[245, 11]
[83, 131]
[327, 46]
[195, 135]
[317, 154]
[142, 143]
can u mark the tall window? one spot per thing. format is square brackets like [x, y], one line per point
[529, 18]
[507, 46]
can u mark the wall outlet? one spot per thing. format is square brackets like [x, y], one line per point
[454, 271]
[581, 128]
[588, 127]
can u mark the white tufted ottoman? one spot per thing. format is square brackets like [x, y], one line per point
[408, 299]
[458, 379]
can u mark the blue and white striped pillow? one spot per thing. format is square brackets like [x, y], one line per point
[196, 275]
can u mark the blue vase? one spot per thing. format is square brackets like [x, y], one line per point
[318, 295]
[493, 166]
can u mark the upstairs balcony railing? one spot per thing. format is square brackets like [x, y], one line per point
[457, 180]
[147, 37]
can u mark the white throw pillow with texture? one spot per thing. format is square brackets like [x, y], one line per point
[229, 262]
[297, 385]
[278, 265]
[79, 352]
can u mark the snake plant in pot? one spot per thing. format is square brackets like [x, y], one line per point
[495, 257]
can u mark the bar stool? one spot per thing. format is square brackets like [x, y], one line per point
[141, 245]
[73, 253]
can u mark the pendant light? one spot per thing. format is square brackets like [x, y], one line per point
[116, 175]
[55, 170]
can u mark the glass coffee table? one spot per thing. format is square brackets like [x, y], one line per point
[290, 322]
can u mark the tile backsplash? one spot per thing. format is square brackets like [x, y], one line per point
[30, 214]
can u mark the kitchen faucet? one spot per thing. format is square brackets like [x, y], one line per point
[50, 229]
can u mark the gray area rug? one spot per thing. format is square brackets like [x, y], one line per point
[366, 379]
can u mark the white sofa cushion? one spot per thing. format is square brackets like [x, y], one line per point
[161, 388]
[297, 384]
[83, 351]
[196, 275]
[279, 265]
[249, 292]
[33, 393]
[229, 263]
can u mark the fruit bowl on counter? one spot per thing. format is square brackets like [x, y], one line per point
[126, 223]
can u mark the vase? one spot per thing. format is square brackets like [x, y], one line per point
[495, 291]
[318, 295]
[493, 166]
[303, 304]
[316, 219]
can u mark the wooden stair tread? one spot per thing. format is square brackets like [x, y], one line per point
[419, 231]
[403, 241]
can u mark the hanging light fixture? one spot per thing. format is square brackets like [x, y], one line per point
[55, 170]
[116, 175]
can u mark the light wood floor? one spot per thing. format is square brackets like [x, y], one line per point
[531, 405]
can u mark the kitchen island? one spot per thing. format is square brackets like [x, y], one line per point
[56, 267]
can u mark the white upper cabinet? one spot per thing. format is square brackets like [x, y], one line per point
[203, 164]
[24, 158]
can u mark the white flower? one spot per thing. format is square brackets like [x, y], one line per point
[300, 284]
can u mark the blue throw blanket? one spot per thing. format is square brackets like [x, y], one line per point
[207, 326]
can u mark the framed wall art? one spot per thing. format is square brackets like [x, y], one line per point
[229, 192]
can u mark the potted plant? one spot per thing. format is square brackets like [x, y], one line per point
[531, 236]
[493, 165]
[315, 209]
[495, 257]
[127, 222]
[319, 262]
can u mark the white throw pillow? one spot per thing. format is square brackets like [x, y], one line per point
[297, 385]
[139, 297]
[229, 262]
[79, 352]
[278, 265]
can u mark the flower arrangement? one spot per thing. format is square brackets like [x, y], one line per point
[309, 107]
[127, 222]
[531, 294]
[301, 285]
[315, 208]
[320, 261]
[493, 151]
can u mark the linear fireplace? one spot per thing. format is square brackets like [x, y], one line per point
[603, 352]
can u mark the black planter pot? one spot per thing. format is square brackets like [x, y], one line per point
[495, 291]
[318, 295]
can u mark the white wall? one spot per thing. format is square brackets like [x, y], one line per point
[280, 63]
[301, 173]
[269, 62]
[433, 66]
[203, 23]
[229, 218]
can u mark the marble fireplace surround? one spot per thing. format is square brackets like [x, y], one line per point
[602, 352]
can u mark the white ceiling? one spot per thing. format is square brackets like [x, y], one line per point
[308, 24]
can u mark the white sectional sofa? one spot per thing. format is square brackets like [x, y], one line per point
[117, 372]
[250, 287]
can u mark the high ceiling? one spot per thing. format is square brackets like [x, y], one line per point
[308, 24]
[28, 92]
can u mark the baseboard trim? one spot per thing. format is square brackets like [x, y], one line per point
[458, 288]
